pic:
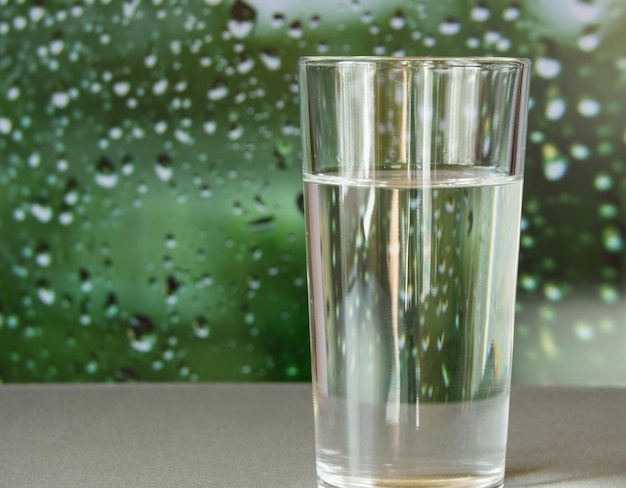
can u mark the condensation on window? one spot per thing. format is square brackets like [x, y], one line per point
[151, 223]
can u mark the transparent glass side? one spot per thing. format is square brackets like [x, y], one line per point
[370, 114]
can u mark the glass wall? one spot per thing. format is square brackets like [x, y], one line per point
[151, 221]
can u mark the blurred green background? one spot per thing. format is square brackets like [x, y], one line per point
[150, 181]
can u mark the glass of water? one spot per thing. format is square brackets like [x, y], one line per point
[413, 171]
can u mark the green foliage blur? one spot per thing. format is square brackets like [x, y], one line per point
[150, 183]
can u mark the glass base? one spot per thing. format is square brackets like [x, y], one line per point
[421, 482]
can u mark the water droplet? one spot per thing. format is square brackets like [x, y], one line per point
[128, 166]
[263, 224]
[71, 195]
[254, 283]
[150, 61]
[160, 87]
[235, 131]
[13, 321]
[66, 217]
[91, 367]
[609, 294]
[295, 30]
[111, 307]
[242, 19]
[554, 166]
[322, 47]
[218, 90]
[19, 214]
[528, 282]
[492, 37]
[60, 99]
[259, 204]
[5, 125]
[19, 22]
[163, 168]
[612, 239]
[450, 27]
[271, 59]
[170, 241]
[278, 20]
[245, 64]
[141, 333]
[548, 68]
[62, 164]
[121, 88]
[584, 331]
[115, 133]
[315, 22]
[85, 284]
[45, 293]
[292, 371]
[36, 13]
[589, 41]
[105, 176]
[429, 41]
[552, 292]
[205, 191]
[200, 326]
[608, 211]
[555, 169]
[398, 20]
[588, 107]
[511, 13]
[13, 93]
[172, 287]
[183, 137]
[41, 210]
[603, 182]
[503, 45]
[204, 281]
[257, 253]
[129, 8]
[480, 13]
[43, 257]
[555, 108]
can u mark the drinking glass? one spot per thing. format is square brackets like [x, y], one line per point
[413, 171]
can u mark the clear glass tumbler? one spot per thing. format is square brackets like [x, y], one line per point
[413, 174]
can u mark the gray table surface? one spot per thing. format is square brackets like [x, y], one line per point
[261, 435]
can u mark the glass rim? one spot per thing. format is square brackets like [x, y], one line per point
[426, 61]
